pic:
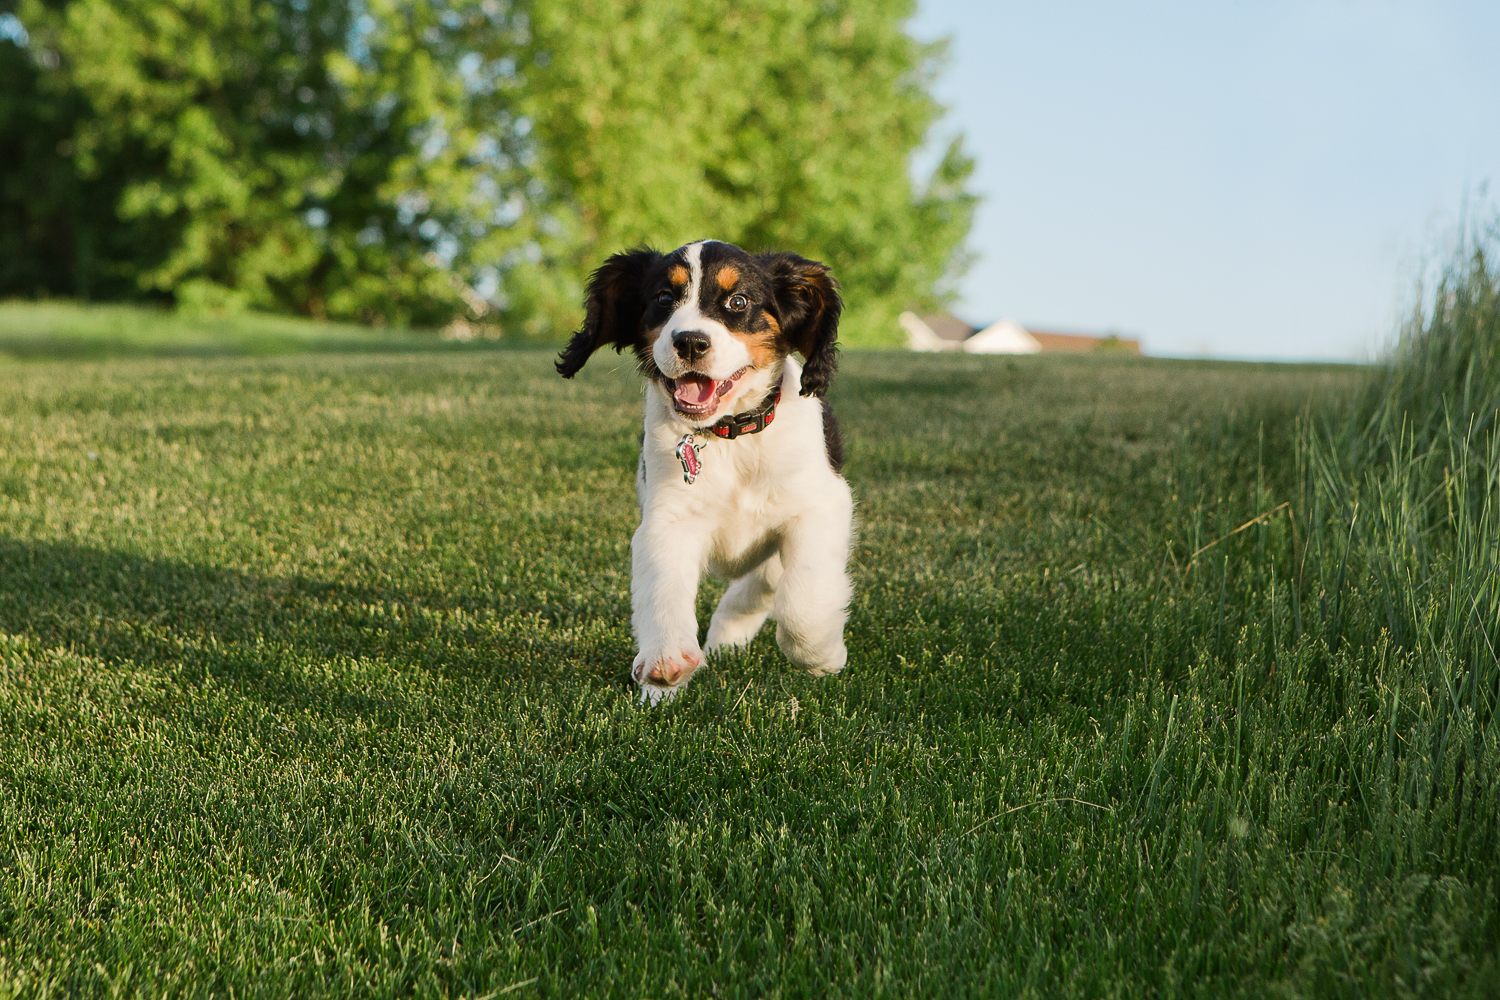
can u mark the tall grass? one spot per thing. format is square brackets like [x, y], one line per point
[1402, 495]
[1403, 548]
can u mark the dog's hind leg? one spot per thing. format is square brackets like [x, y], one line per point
[812, 598]
[744, 607]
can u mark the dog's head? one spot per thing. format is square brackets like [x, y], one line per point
[710, 324]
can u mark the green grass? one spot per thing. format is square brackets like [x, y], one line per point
[314, 682]
[68, 330]
[1419, 453]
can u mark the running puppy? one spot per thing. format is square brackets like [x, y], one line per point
[740, 458]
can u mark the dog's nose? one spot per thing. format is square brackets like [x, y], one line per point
[690, 345]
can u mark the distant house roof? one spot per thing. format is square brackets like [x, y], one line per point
[1075, 342]
[948, 327]
[944, 332]
[935, 332]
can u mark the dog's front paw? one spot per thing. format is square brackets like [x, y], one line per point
[663, 675]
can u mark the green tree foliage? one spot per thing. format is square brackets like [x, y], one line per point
[59, 234]
[377, 159]
[300, 155]
[770, 123]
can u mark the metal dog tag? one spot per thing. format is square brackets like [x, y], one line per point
[687, 454]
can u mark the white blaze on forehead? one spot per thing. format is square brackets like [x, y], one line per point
[695, 269]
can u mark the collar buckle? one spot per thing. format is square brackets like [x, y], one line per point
[754, 422]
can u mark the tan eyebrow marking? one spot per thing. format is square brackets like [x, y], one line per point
[678, 275]
[728, 277]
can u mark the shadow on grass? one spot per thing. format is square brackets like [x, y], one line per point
[378, 653]
[290, 640]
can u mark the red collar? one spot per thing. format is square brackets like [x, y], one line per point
[753, 422]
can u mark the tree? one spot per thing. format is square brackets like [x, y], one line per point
[768, 123]
[312, 156]
[58, 233]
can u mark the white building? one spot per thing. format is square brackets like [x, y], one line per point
[1004, 337]
[942, 332]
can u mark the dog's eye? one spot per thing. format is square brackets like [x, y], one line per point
[738, 303]
[665, 298]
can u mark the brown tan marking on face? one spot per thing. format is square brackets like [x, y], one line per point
[762, 344]
[728, 277]
[679, 275]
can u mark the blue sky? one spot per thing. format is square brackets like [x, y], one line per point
[1258, 180]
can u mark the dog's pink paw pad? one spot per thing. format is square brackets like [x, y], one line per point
[671, 670]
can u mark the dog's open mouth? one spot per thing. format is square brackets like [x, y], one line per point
[696, 395]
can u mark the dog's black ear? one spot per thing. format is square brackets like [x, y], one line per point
[808, 299]
[612, 309]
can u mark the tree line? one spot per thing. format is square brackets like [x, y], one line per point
[408, 161]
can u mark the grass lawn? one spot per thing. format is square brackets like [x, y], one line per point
[69, 330]
[314, 681]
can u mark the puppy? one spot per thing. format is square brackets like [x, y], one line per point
[740, 455]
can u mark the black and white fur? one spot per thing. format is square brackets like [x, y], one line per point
[714, 330]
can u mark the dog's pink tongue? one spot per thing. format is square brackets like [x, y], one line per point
[695, 390]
